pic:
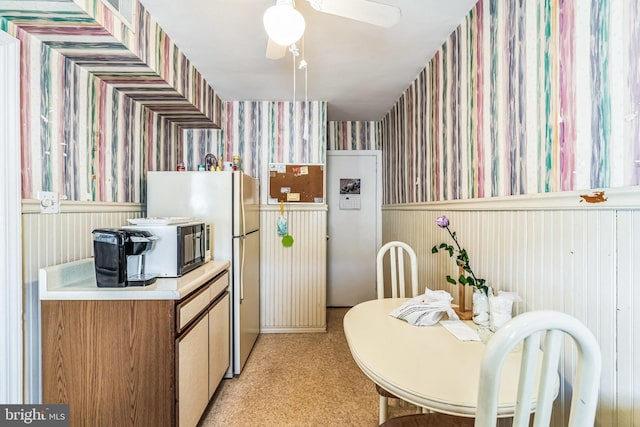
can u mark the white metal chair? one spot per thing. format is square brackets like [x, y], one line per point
[397, 251]
[529, 329]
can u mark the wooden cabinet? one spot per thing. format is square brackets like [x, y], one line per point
[111, 361]
[136, 362]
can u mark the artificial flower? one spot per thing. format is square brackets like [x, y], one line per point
[462, 259]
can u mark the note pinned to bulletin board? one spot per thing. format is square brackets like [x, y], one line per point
[296, 183]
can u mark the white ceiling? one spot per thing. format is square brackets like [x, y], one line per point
[359, 69]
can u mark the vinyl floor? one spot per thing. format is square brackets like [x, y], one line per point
[305, 379]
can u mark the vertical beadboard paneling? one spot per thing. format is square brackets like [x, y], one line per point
[293, 280]
[55, 239]
[577, 258]
[628, 318]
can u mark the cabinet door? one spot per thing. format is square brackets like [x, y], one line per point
[193, 385]
[219, 338]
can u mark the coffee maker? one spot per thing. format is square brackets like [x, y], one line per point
[119, 257]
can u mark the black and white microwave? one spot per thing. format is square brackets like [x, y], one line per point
[179, 249]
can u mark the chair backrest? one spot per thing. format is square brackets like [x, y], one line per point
[397, 269]
[530, 327]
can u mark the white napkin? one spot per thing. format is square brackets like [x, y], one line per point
[460, 330]
[426, 309]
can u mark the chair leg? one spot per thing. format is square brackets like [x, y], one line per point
[383, 409]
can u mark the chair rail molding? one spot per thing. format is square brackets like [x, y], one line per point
[620, 198]
[32, 206]
[11, 369]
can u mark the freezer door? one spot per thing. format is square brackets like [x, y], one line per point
[206, 196]
[246, 297]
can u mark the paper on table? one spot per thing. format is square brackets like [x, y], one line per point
[460, 330]
[426, 309]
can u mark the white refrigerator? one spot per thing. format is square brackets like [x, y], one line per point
[230, 202]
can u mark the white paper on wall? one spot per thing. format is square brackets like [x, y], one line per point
[350, 201]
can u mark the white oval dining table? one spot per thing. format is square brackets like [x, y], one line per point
[424, 365]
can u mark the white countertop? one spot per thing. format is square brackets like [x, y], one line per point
[77, 281]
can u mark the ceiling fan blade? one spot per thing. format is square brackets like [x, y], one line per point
[274, 50]
[382, 15]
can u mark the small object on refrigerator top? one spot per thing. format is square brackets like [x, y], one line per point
[210, 162]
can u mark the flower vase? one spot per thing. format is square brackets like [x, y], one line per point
[481, 307]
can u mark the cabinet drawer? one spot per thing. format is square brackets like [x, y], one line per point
[189, 309]
[218, 286]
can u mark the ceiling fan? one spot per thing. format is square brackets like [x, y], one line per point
[285, 25]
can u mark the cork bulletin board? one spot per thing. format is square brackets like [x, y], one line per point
[296, 183]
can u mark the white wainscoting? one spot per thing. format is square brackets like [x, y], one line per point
[50, 239]
[293, 280]
[11, 337]
[557, 252]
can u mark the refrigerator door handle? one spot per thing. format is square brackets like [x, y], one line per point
[242, 270]
[242, 207]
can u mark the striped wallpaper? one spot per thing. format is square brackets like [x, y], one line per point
[100, 105]
[261, 132]
[630, 107]
[524, 97]
[354, 135]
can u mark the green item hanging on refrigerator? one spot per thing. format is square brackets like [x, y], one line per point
[287, 241]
